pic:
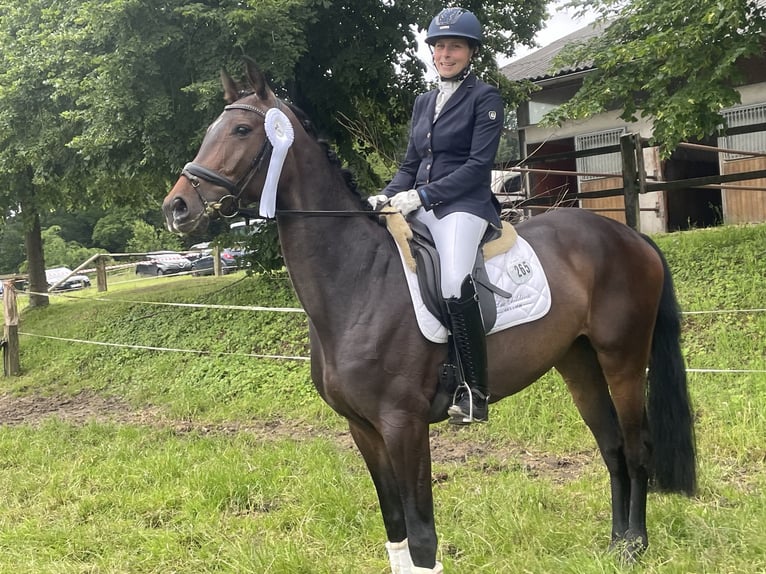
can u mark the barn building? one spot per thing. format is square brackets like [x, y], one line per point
[659, 210]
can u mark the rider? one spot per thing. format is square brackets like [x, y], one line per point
[444, 182]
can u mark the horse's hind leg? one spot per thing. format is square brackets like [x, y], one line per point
[628, 393]
[585, 379]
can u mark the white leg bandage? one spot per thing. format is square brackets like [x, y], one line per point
[399, 556]
[438, 569]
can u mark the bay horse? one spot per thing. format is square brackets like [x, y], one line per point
[613, 315]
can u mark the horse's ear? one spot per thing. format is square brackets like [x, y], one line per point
[230, 90]
[257, 79]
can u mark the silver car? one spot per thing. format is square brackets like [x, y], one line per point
[61, 279]
[163, 263]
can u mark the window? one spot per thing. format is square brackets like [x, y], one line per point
[603, 163]
[744, 116]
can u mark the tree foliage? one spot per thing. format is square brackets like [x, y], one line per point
[103, 101]
[673, 61]
[145, 238]
[59, 252]
[11, 245]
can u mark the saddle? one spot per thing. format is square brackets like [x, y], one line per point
[428, 270]
[425, 262]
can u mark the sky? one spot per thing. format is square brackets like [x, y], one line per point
[562, 21]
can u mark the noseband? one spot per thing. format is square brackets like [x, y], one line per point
[228, 205]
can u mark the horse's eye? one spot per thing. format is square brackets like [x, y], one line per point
[242, 130]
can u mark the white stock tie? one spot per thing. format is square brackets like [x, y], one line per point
[446, 89]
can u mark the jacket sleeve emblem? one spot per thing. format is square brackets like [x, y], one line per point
[492, 114]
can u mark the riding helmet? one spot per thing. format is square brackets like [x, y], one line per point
[454, 22]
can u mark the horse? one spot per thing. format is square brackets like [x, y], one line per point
[614, 314]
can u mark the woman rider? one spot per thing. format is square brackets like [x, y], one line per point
[444, 182]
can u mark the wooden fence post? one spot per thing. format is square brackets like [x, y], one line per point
[11, 366]
[630, 178]
[101, 274]
[217, 271]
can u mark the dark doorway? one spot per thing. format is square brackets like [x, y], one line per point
[692, 207]
[550, 189]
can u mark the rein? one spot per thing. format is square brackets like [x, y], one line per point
[330, 213]
[229, 205]
[253, 213]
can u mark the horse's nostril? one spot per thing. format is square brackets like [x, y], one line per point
[179, 207]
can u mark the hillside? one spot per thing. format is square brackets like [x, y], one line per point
[714, 269]
[124, 459]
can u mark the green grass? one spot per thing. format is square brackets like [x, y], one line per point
[127, 499]
[209, 481]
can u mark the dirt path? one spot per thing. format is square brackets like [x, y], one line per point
[446, 444]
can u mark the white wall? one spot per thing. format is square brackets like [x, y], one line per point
[601, 122]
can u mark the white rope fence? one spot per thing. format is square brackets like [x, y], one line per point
[723, 311]
[165, 349]
[291, 310]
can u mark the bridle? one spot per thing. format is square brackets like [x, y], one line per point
[229, 205]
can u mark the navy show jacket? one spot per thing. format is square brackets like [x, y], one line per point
[449, 161]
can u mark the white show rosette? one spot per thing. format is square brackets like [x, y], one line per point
[279, 130]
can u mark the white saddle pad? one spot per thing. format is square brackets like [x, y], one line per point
[517, 271]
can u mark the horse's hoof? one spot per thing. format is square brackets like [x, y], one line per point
[629, 549]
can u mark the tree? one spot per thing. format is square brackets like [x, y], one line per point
[59, 252]
[673, 61]
[103, 101]
[113, 231]
[145, 238]
[361, 68]
[11, 245]
[75, 226]
[89, 108]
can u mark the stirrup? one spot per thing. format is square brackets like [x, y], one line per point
[458, 415]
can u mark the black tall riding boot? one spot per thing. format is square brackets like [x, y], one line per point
[471, 399]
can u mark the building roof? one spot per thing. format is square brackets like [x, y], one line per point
[537, 65]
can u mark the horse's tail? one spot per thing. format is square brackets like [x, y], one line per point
[669, 407]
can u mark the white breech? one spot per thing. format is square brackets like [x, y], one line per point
[457, 237]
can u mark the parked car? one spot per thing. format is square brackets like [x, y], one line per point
[55, 276]
[196, 251]
[234, 256]
[231, 260]
[244, 229]
[163, 263]
[203, 265]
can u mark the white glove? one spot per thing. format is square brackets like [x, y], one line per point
[377, 201]
[406, 201]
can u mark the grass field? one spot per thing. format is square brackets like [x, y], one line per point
[120, 460]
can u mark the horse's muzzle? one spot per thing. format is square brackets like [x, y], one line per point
[184, 212]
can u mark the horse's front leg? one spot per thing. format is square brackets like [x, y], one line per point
[373, 449]
[406, 438]
[398, 458]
